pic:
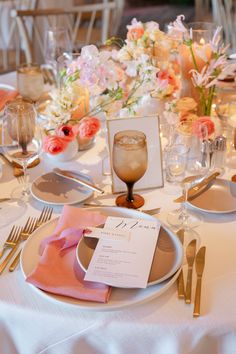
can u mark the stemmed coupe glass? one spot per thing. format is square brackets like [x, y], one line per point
[20, 126]
[130, 159]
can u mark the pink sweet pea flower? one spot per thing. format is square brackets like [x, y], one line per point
[54, 144]
[88, 127]
[200, 124]
[66, 132]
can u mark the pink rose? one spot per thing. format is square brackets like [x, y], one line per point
[200, 124]
[88, 127]
[54, 144]
[66, 132]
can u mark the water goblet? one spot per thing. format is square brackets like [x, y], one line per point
[130, 159]
[19, 123]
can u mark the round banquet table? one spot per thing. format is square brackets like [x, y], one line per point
[31, 324]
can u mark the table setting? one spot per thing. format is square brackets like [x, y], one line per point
[118, 197]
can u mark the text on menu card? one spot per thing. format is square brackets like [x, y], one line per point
[126, 262]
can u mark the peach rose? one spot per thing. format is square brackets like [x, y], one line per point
[88, 127]
[54, 145]
[200, 124]
[166, 75]
[135, 33]
[66, 132]
[186, 104]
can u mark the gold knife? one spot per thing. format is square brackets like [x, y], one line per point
[69, 175]
[180, 280]
[199, 264]
[190, 255]
[194, 191]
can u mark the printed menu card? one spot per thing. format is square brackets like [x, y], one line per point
[124, 253]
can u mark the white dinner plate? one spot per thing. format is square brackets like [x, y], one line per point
[120, 298]
[53, 189]
[6, 88]
[218, 197]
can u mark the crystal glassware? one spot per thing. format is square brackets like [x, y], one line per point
[57, 42]
[30, 82]
[20, 124]
[130, 159]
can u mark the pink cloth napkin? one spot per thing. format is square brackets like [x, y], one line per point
[58, 271]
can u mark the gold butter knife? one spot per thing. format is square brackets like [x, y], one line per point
[190, 255]
[194, 191]
[69, 175]
[180, 280]
[199, 264]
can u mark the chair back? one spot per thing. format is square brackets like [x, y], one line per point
[224, 14]
[86, 24]
[10, 53]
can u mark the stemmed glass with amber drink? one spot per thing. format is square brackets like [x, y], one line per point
[130, 159]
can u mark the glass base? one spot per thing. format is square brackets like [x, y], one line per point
[177, 219]
[136, 203]
[21, 194]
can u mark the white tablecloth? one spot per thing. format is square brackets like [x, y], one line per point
[31, 324]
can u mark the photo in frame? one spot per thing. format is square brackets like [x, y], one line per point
[149, 125]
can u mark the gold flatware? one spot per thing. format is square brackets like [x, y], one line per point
[146, 211]
[25, 233]
[180, 280]
[69, 175]
[195, 190]
[31, 225]
[190, 255]
[45, 216]
[9, 243]
[15, 241]
[4, 200]
[199, 264]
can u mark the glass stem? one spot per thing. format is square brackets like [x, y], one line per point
[25, 185]
[130, 196]
[183, 206]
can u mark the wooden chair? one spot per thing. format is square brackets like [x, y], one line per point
[224, 14]
[10, 52]
[86, 24]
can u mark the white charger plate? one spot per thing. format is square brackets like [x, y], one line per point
[53, 189]
[219, 197]
[120, 298]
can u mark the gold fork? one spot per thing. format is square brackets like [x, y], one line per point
[15, 241]
[26, 232]
[31, 225]
[9, 243]
[46, 215]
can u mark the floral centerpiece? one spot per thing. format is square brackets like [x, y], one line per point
[204, 64]
[121, 82]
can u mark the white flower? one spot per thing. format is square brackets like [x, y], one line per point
[214, 43]
[135, 24]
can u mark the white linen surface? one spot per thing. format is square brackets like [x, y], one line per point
[31, 324]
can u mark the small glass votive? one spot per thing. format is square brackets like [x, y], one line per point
[30, 81]
[175, 162]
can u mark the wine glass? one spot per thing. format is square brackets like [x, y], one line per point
[19, 123]
[30, 83]
[130, 159]
[197, 167]
[57, 43]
